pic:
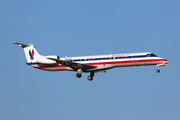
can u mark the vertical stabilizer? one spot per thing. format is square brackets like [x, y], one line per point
[30, 51]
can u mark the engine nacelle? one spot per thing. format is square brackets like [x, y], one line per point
[45, 60]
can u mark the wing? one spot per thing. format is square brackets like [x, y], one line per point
[73, 65]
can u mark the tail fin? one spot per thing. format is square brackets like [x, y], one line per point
[29, 50]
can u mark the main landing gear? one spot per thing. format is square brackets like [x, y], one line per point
[79, 75]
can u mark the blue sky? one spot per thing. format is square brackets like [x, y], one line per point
[75, 28]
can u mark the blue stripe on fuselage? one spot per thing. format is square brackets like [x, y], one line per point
[95, 59]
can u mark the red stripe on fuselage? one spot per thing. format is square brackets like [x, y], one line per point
[110, 62]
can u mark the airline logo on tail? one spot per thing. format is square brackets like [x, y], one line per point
[31, 54]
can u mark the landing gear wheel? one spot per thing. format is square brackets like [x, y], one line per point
[157, 70]
[78, 75]
[90, 78]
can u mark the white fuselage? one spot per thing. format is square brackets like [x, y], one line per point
[105, 62]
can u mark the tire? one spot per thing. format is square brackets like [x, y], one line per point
[78, 75]
[157, 70]
[90, 78]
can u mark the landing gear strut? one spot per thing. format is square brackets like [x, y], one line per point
[90, 78]
[157, 69]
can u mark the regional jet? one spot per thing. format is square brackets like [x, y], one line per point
[89, 64]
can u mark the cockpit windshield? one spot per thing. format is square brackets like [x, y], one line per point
[151, 55]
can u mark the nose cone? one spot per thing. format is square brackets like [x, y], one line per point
[166, 61]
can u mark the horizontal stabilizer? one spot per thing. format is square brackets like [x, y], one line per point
[21, 45]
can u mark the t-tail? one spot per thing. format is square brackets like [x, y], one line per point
[33, 56]
[30, 52]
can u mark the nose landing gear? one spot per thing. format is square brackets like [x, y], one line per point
[159, 65]
[157, 70]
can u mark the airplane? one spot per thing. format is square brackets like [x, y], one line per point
[89, 64]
